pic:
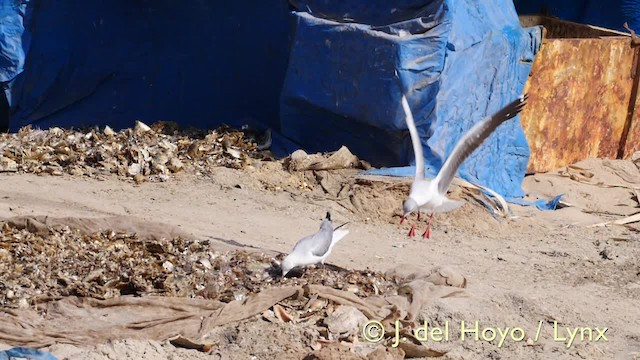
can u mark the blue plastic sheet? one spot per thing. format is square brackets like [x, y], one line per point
[458, 61]
[13, 40]
[111, 62]
[540, 204]
[26, 353]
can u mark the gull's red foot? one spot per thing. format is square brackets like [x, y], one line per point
[412, 232]
[427, 233]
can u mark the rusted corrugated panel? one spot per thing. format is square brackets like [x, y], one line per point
[632, 143]
[579, 94]
[562, 29]
[633, 140]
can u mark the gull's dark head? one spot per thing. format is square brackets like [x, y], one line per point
[326, 223]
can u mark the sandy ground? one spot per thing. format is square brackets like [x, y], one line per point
[532, 269]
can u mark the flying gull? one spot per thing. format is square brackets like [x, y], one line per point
[315, 248]
[428, 195]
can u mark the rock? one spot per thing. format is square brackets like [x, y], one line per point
[385, 353]
[8, 165]
[139, 178]
[133, 169]
[607, 254]
[345, 319]
[299, 155]
[175, 165]
[333, 352]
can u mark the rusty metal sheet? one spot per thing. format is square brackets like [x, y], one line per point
[562, 29]
[579, 96]
[632, 142]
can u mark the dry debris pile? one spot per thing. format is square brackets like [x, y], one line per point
[36, 268]
[143, 153]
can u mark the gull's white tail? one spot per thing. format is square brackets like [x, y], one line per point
[338, 235]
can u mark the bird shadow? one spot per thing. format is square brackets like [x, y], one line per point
[275, 271]
[234, 243]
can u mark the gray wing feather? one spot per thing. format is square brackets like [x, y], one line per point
[317, 244]
[322, 242]
[473, 138]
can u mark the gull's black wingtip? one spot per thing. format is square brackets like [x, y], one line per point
[328, 217]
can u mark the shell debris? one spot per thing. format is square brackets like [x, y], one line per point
[37, 267]
[143, 153]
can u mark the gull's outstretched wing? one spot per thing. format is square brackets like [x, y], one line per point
[473, 138]
[415, 139]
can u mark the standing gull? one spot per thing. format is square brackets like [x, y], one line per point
[430, 195]
[315, 248]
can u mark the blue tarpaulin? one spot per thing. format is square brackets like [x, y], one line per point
[344, 67]
[25, 353]
[457, 61]
[111, 62]
[12, 45]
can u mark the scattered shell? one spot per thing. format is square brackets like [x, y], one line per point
[109, 131]
[234, 152]
[353, 288]
[282, 314]
[167, 266]
[129, 152]
[23, 303]
[206, 263]
[141, 127]
[317, 304]
[175, 165]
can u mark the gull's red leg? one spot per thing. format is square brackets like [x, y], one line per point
[427, 233]
[412, 232]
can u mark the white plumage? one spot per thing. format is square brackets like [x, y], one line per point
[314, 249]
[430, 196]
